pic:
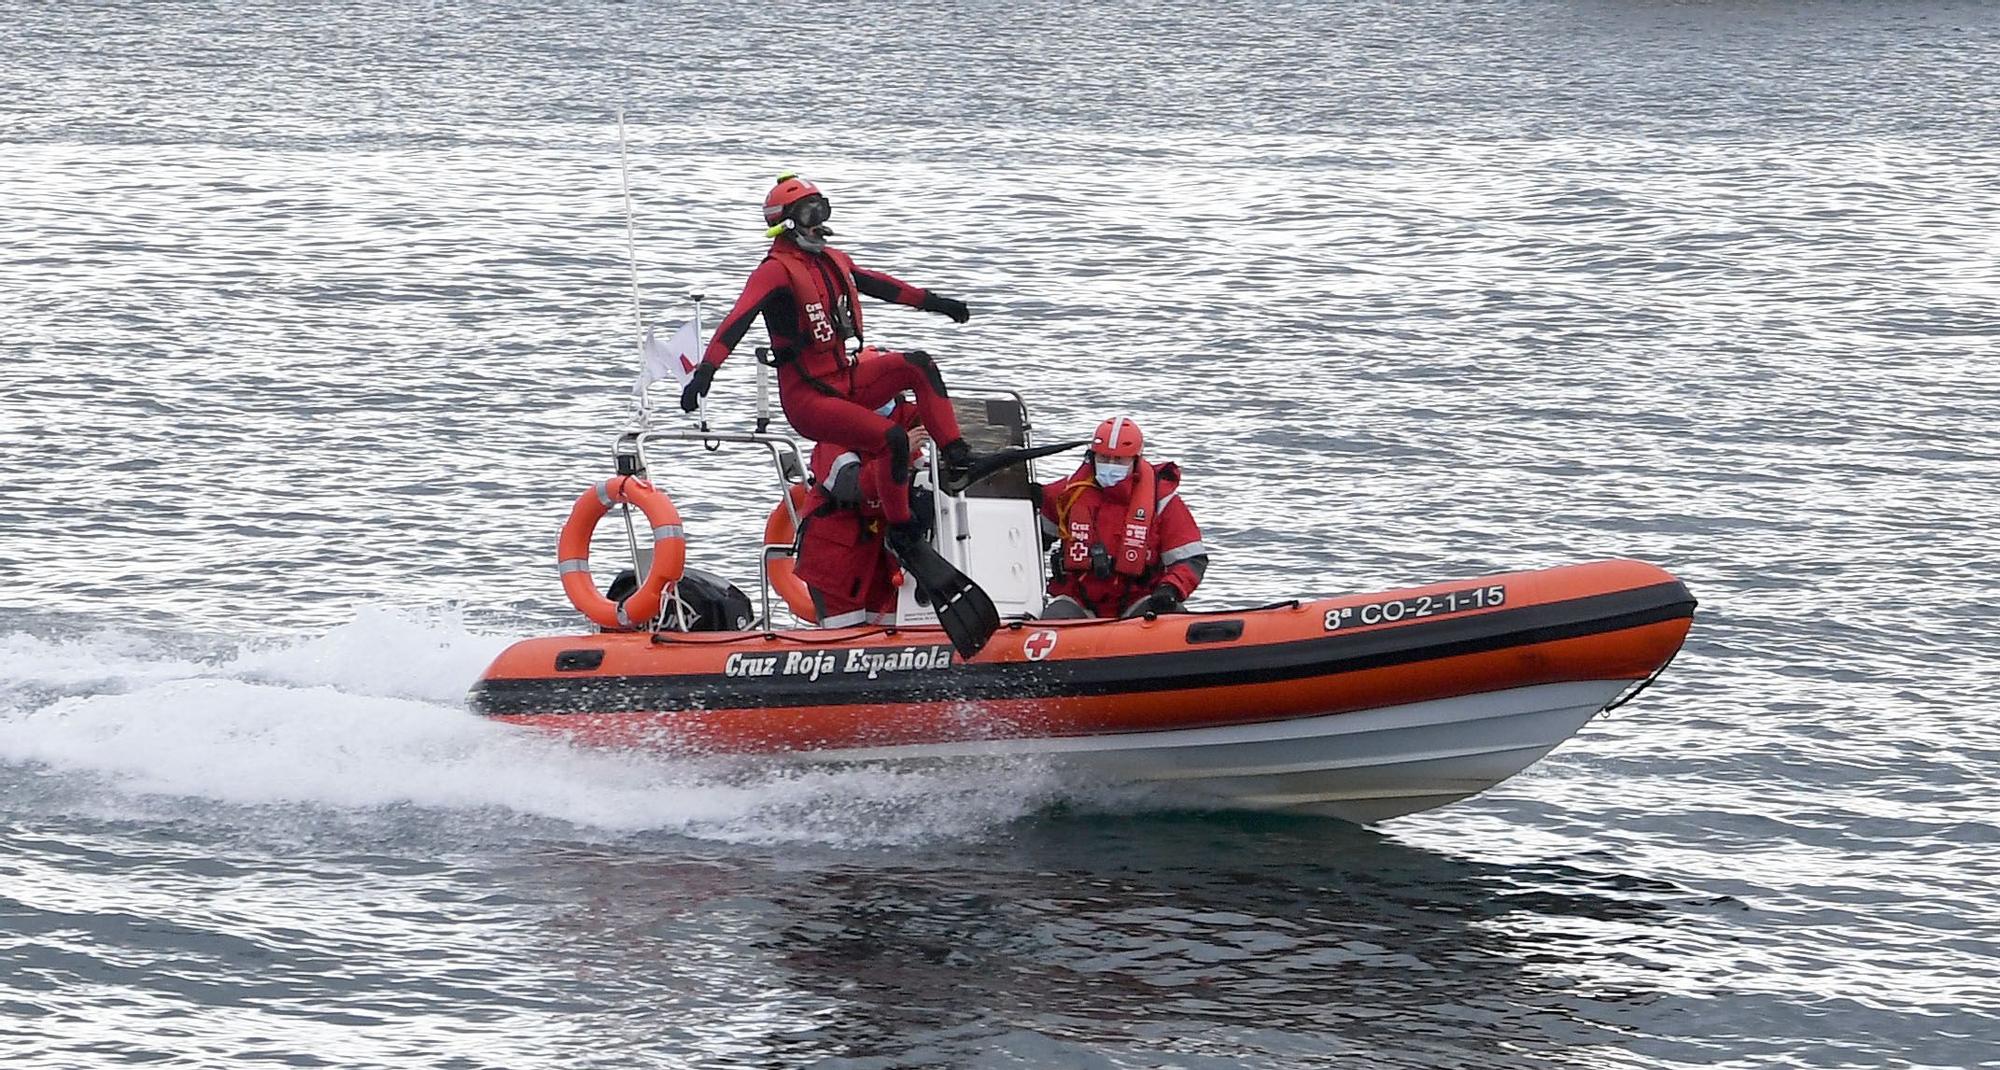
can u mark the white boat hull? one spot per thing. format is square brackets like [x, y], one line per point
[1362, 766]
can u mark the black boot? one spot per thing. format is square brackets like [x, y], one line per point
[908, 539]
[963, 468]
[958, 461]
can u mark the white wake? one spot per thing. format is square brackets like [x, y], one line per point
[371, 715]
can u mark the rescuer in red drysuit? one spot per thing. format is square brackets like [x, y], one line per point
[1128, 543]
[843, 555]
[809, 294]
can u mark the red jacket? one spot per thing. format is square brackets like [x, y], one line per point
[811, 304]
[1148, 535]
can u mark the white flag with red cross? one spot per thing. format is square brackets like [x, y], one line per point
[672, 358]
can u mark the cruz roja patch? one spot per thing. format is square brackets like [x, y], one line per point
[867, 662]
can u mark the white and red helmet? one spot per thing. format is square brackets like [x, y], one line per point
[1117, 439]
[785, 197]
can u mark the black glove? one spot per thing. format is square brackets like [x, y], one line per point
[946, 306]
[697, 388]
[1164, 599]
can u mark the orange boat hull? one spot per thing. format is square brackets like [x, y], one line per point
[842, 689]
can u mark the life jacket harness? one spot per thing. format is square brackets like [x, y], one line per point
[823, 503]
[829, 313]
[1076, 516]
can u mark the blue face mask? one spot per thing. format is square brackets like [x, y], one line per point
[1111, 473]
[887, 409]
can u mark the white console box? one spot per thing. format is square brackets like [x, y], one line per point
[1005, 559]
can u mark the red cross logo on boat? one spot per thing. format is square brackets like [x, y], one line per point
[1039, 645]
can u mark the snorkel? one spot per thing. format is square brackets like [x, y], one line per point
[811, 239]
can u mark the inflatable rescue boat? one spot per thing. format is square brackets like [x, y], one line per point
[1361, 707]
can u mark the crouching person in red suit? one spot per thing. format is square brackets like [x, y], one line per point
[1128, 544]
[844, 556]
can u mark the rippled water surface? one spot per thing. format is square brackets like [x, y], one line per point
[314, 319]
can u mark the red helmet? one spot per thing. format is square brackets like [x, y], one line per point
[1117, 438]
[790, 190]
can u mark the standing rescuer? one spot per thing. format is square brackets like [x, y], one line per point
[809, 294]
[1128, 544]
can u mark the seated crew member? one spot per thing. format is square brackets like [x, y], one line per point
[809, 294]
[1128, 543]
[843, 555]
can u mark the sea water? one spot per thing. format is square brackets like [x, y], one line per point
[314, 320]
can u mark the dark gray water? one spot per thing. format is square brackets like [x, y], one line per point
[314, 320]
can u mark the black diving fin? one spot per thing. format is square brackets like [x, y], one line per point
[965, 612]
[989, 465]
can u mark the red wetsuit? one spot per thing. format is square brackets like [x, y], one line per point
[811, 304]
[1148, 535]
[843, 556]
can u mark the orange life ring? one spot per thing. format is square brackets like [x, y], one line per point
[781, 530]
[573, 552]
